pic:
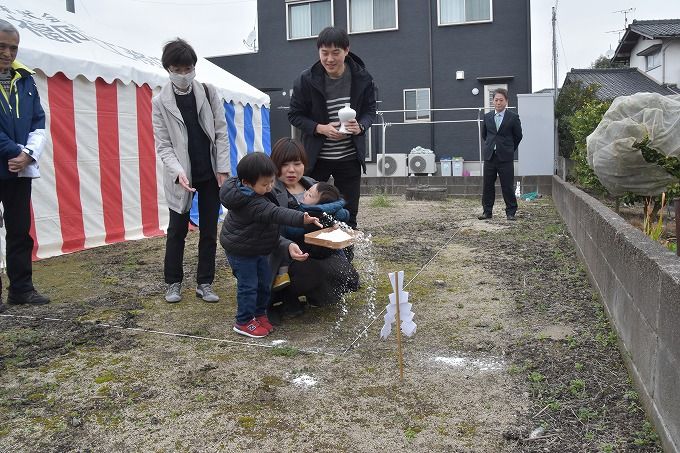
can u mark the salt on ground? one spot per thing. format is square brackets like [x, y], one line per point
[479, 364]
[304, 381]
[334, 236]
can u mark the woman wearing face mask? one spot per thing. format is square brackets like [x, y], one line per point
[190, 132]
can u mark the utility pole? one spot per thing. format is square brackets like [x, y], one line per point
[71, 6]
[554, 53]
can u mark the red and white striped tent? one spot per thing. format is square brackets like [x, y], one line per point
[100, 179]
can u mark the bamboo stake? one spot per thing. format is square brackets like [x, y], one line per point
[401, 355]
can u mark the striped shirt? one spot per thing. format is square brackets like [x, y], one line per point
[337, 95]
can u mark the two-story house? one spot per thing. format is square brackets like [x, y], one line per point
[425, 55]
[652, 46]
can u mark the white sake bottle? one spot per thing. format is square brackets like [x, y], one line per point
[345, 115]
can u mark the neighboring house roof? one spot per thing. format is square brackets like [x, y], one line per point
[649, 29]
[545, 90]
[614, 82]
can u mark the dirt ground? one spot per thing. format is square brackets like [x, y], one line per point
[513, 352]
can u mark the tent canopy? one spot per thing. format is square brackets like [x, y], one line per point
[52, 43]
[100, 173]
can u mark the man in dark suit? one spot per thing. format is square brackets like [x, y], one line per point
[502, 132]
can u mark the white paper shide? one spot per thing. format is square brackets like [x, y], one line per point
[408, 327]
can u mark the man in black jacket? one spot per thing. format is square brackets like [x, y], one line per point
[502, 132]
[339, 77]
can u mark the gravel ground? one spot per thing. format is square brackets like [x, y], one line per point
[513, 351]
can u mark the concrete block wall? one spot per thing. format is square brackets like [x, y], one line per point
[461, 186]
[639, 282]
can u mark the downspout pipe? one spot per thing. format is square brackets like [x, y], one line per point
[432, 95]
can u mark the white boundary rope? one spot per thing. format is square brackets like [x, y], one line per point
[160, 332]
[409, 282]
[223, 340]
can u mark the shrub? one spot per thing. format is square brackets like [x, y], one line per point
[573, 96]
[581, 125]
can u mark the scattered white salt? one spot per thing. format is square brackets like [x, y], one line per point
[334, 236]
[463, 362]
[304, 381]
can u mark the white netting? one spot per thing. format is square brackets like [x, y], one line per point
[621, 167]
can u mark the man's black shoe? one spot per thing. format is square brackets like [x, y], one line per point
[3, 307]
[512, 217]
[31, 297]
[484, 216]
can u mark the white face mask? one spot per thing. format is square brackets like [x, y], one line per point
[182, 81]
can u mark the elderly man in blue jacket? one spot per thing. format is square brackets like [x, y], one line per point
[22, 139]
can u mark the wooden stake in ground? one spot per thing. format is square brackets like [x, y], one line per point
[399, 311]
[400, 352]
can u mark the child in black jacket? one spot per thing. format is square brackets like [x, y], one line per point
[250, 232]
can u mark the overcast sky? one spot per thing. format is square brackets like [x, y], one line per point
[583, 31]
[219, 27]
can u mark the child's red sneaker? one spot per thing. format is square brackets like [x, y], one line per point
[264, 322]
[252, 329]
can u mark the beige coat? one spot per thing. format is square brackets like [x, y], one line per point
[170, 135]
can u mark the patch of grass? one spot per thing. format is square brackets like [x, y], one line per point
[466, 429]
[285, 351]
[607, 448]
[646, 436]
[272, 381]
[514, 370]
[632, 397]
[37, 396]
[552, 230]
[586, 414]
[106, 376]
[578, 366]
[572, 342]
[607, 339]
[412, 431]
[104, 390]
[246, 422]
[21, 337]
[536, 377]
[577, 387]
[553, 404]
[110, 280]
[106, 419]
[374, 391]
[385, 241]
[53, 424]
[381, 201]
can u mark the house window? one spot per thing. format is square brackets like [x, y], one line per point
[653, 61]
[464, 11]
[306, 19]
[372, 15]
[418, 100]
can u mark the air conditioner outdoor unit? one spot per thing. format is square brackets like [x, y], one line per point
[421, 163]
[394, 165]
